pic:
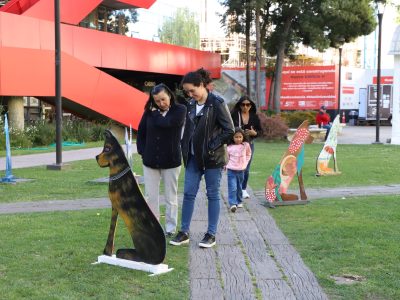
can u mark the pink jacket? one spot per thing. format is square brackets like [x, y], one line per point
[238, 156]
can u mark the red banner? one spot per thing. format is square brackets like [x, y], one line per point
[384, 80]
[309, 87]
[347, 89]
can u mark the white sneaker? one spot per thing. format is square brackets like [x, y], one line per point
[240, 205]
[245, 195]
[233, 208]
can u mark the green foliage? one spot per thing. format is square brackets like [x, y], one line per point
[125, 15]
[274, 127]
[295, 118]
[182, 29]
[43, 133]
[20, 139]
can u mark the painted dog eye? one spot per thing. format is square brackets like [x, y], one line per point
[107, 149]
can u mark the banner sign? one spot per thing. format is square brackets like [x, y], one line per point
[309, 87]
[384, 80]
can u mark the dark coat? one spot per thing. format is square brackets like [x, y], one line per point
[254, 120]
[158, 139]
[209, 131]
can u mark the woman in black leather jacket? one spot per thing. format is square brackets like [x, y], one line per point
[208, 128]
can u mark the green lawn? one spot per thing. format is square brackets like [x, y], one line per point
[50, 256]
[45, 149]
[360, 165]
[357, 236]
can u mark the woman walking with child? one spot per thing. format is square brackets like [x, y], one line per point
[244, 115]
[239, 154]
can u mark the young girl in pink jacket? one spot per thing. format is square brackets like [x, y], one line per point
[239, 154]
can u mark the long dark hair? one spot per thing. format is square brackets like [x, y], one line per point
[156, 90]
[198, 77]
[238, 129]
[236, 108]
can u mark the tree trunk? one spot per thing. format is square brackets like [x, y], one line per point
[271, 94]
[258, 57]
[248, 55]
[279, 66]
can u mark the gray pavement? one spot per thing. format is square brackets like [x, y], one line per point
[43, 159]
[364, 134]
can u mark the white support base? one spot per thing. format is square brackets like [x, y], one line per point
[154, 269]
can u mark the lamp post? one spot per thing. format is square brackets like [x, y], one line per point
[58, 100]
[340, 79]
[380, 7]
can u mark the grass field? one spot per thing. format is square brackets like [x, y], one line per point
[50, 256]
[361, 165]
[357, 236]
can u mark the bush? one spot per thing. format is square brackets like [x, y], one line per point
[294, 119]
[97, 131]
[19, 139]
[274, 127]
[76, 130]
[43, 133]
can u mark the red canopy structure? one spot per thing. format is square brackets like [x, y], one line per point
[97, 67]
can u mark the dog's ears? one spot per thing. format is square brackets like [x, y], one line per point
[108, 134]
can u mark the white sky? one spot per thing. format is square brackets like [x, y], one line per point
[150, 20]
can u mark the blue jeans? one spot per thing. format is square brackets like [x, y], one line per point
[328, 128]
[192, 181]
[235, 181]
[247, 171]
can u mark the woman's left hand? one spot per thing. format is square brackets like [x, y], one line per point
[251, 132]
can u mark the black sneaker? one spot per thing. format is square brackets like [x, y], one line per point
[180, 239]
[208, 241]
[233, 208]
[169, 234]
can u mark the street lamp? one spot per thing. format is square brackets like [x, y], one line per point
[340, 79]
[380, 8]
[58, 102]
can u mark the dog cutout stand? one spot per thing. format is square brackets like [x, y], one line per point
[291, 164]
[328, 151]
[127, 200]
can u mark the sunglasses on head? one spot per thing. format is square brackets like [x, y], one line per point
[245, 104]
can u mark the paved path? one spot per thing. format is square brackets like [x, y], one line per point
[364, 134]
[43, 159]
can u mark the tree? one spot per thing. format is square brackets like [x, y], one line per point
[316, 23]
[182, 29]
[239, 18]
[118, 20]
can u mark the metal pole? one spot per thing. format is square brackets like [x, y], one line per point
[378, 79]
[58, 101]
[340, 80]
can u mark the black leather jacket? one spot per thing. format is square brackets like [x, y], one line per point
[209, 131]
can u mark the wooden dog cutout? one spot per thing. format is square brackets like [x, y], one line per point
[328, 151]
[127, 201]
[290, 165]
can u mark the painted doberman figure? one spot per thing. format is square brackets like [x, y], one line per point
[290, 165]
[328, 151]
[127, 201]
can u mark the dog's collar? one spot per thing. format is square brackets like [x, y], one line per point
[119, 175]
